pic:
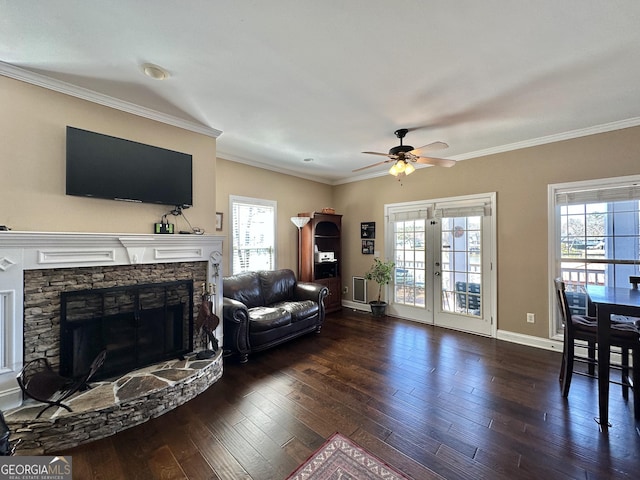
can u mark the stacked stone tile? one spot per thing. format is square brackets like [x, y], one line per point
[110, 407]
[42, 296]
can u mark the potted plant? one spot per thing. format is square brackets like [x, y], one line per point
[381, 273]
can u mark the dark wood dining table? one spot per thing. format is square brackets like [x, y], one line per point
[609, 301]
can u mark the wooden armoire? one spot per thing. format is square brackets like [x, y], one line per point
[320, 240]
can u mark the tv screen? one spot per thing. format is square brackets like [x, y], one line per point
[108, 167]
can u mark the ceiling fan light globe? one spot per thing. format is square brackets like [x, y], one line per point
[394, 170]
[409, 169]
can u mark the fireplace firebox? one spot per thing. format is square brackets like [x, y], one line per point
[138, 325]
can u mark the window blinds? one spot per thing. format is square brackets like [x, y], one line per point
[614, 193]
[467, 208]
[407, 215]
[463, 211]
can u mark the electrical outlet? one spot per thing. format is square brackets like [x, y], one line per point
[345, 290]
[531, 318]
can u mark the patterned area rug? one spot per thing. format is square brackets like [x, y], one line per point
[340, 458]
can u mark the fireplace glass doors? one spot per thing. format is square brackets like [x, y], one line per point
[138, 325]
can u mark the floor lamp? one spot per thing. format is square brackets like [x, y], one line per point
[300, 222]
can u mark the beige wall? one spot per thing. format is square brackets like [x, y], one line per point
[520, 179]
[32, 163]
[292, 194]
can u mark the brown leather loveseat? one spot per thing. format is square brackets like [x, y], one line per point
[265, 308]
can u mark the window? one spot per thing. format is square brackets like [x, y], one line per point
[461, 264]
[596, 236]
[253, 234]
[409, 257]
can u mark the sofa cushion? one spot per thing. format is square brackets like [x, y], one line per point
[267, 318]
[245, 288]
[277, 285]
[299, 310]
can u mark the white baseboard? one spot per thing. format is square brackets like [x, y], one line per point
[362, 307]
[549, 344]
[530, 340]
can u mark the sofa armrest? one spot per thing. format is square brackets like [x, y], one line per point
[234, 311]
[236, 326]
[310, 291]
[315, 292]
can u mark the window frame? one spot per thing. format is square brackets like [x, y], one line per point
[602, 187]
[259, 202]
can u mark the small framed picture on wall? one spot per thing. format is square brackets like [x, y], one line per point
[218, 221]
[368, 247]
[368, 230]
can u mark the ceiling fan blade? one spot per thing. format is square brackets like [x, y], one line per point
[373, 165]
[432, 147]
[438, 162]
[378, 153]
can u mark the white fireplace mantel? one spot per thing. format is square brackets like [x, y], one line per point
[20, 251]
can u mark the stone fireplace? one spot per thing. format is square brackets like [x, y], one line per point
[76, 312]
[37, 268]
[137, 325]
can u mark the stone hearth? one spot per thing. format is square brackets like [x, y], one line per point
[111, 406]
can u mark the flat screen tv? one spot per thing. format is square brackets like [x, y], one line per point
[108, 167]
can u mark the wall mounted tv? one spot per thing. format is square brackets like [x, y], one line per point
[108, 167]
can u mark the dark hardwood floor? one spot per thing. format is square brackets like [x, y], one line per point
[416, 396]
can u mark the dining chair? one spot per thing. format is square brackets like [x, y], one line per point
[624, 335]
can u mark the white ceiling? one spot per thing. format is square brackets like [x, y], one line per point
[287, 80]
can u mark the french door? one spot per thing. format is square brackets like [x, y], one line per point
[443, 252]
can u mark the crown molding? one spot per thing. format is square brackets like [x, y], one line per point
[49, 83]
[534, 142]
[265, 166]
[558, 137]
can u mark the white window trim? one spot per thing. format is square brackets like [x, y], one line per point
[554, 227]
[254, 201]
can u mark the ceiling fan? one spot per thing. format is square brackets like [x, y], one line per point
[403, 156]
